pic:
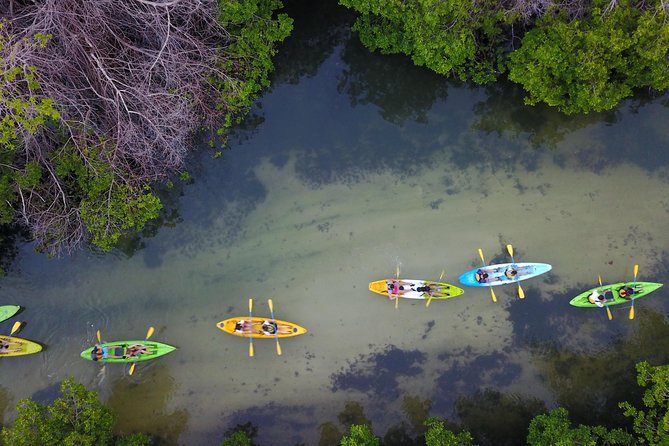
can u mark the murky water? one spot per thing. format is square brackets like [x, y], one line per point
[354, 164]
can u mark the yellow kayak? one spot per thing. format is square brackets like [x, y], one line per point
[18, 346]
[260, 327]
[416, 289]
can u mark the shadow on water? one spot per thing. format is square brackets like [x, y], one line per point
[377, 373]
[142, 406]
[467, 376]
[290, 419]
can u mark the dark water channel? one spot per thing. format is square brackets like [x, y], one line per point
[351, 165]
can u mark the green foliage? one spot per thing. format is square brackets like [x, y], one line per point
[360, 435]
[248, 60]
[591, 65]
[238, 438]
[461, 37]
[554, 429]
[125, 208]
[651, 423]
[438, 435]
[77, 418]
[28, 113]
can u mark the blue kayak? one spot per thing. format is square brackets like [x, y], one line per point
[503, 273]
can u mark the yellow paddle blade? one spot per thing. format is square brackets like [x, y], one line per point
[521, 293]
[251, 350]
[278, 348]
[600, 280]
[636, 271]
[98, 336]
[132, 369]
[443, 271]
[269, 302]
[397, 272]
[510, 249]
[427, 304]
[15, 327]
[250, 304]
[492, 293]
[608, 313]
[149, 333]
[632, 312]
[397, 300]
[481, 255]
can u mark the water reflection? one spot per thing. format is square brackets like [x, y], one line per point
[402, 91]
[498, 419]
[503, 112]
[313, 39]
[6, 402]
[142, 406]
[589, 380]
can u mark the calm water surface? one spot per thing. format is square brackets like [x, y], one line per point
[352, 165]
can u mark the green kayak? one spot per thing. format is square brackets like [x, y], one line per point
[7, 311]
[616, 293]
[122, 351]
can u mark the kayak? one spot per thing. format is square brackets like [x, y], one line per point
[119, 348]
[497, 274]
[613, 295]
[25, 347]
[7, 311]
[416, 289]
[285, 329]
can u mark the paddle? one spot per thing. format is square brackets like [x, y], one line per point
[636, 271]
[15, 328]
[427, 304]
[146, 338]
[276, 332]
[251, 330]
[397, 299]
[521, 293]
[97, 334]
[606, 304]
[492, 292]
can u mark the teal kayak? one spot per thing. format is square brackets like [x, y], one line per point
[616, 293]
[498, 274]
[7, 311]
[120, 352]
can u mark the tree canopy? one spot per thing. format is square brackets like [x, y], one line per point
[577, 56]
[77, 418]
[100, 101]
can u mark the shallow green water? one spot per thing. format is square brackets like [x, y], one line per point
[352, 165]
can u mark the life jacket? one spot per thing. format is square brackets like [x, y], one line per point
[626, 292]
[480, 276]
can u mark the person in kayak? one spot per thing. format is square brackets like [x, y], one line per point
[397, 287]
[5, 346]
[511, 273]
[135, 350]
[107, 352]
[598, 299]
[271, 328]
[481, 276]
[433, 289]
[626, 292]
[242, 326]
